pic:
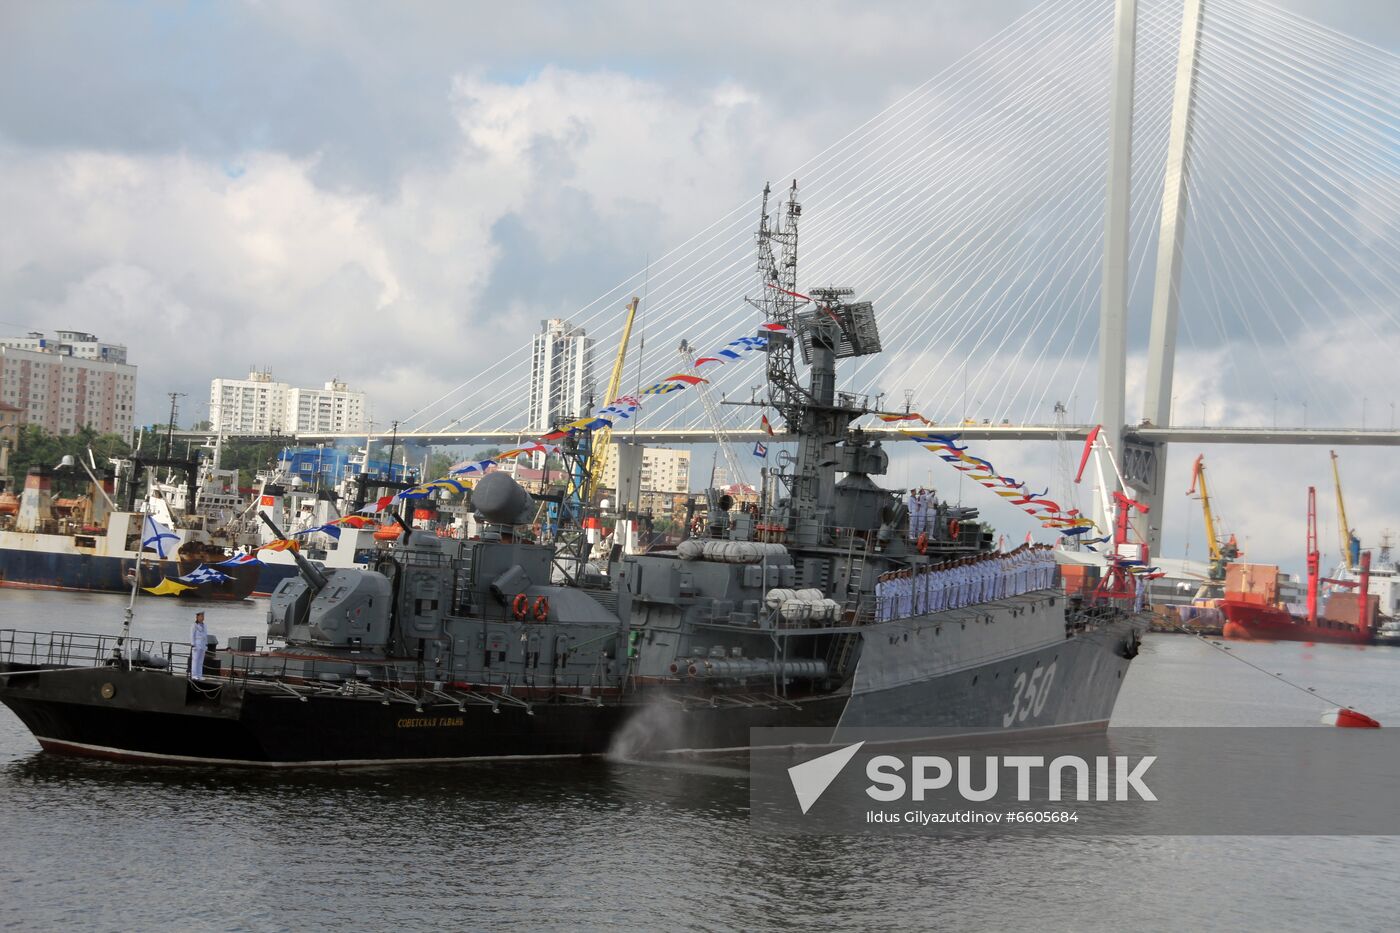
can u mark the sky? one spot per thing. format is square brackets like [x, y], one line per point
[391, 194]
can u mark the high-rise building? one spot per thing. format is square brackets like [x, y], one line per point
[256, 405]
[68, 381]
[561, 374]
[74, 343]
[10, 416]
[664, 476]
[261, 405]
[331, 410]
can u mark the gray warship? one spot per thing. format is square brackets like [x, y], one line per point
[508, 646]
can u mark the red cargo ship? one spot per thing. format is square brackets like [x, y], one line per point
[1252, 615]
[1253, 622]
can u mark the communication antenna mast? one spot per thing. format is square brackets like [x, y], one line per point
[780, 301]
[167, 446]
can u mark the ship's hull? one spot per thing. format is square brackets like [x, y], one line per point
[39, 569]
[154, 716]
[1251, 622]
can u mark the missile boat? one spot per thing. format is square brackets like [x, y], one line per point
[507, 645]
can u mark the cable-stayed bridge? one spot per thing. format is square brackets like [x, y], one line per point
[1182, 434]
[1170, 208]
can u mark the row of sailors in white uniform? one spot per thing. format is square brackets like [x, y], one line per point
[964, 582]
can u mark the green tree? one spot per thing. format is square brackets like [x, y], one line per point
[248, 457]
[438, 465]
[37, 447]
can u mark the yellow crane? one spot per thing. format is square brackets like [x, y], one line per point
[1220, 554]
[1343, 529]
[601, 443]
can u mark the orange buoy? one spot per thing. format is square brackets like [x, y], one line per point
[923, 542]
[541, 608]
[1347, 718]
[520, 605]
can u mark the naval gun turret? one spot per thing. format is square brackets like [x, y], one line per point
[343, 608]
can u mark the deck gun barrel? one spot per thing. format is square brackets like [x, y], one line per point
[314, 577]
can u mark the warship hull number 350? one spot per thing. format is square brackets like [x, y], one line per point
[508, 646]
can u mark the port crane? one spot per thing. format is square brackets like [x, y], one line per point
[1118, 582]
[1220, 553]
[1351, 544]
[601, 448]
[1314, 556]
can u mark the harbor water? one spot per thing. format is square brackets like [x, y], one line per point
[595, 843]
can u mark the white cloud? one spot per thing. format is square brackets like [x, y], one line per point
[402, 206]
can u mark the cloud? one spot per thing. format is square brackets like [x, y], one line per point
[548, 193]
[397, 195]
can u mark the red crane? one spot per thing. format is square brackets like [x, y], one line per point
[1314, 558]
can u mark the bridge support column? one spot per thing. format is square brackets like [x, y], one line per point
[1171, 237]
[1145, 470]
[629, 476]
[1113, 304]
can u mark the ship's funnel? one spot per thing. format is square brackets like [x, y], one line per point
[499, 499]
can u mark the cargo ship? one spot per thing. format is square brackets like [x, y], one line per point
[1253, 611]
[93, 543]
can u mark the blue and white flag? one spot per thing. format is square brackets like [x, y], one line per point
[242, 560]
[329, 529]
[155, 534]
[759, 450]
[204, 574]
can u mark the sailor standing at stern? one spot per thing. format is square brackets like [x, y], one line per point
[199, 641]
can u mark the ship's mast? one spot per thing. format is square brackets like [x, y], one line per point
[779, 303]
[818, 417]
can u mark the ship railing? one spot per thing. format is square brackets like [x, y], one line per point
[75, 649]
[401, 677]
[80, 649]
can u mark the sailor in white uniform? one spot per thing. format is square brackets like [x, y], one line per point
[905, 583]
[199, 642]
